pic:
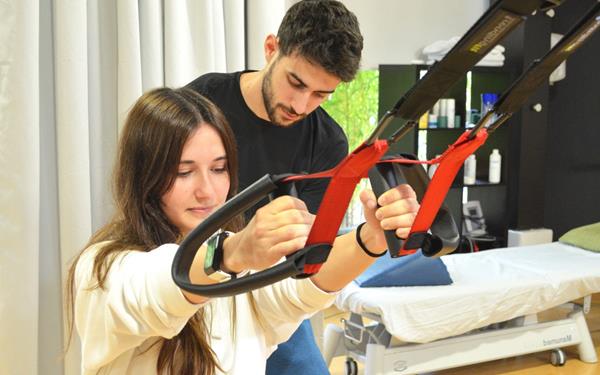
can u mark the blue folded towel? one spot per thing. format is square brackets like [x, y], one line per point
[411, 270]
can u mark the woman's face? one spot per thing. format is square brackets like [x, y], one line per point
[202, 181]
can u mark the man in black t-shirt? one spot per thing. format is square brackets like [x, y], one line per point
[280, 127]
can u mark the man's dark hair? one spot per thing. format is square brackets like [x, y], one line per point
[324, 32]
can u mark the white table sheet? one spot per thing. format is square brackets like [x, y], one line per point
[489, 286]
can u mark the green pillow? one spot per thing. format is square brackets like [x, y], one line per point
[586, 237]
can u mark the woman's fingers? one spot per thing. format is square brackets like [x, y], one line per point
[397, 208]
[289, 232]
[283, 211]
[292, 232]
[285, 202]
[403, 191]
[369, 202]
[288, 247]
[278, 229]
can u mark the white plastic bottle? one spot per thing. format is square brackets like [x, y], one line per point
[451, 112]
[495, 166]
[470, 168]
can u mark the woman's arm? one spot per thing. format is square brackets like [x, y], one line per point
[139, 301]
[198, 276]
[276, 230]
[347, 260]
[282, 227]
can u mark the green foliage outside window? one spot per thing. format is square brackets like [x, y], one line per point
[353, 105]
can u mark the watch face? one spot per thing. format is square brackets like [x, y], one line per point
[214, 254]
[219, 276]
[212, 258]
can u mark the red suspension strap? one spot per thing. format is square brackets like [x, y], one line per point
[449, 164]
[344, 179]
[351, 170]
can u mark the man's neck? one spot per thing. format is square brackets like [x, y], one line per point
[251, 87]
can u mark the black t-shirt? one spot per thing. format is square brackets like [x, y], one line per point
[314, 144]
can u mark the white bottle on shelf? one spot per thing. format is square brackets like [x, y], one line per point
[495, 166]
[451, 112]
[470, 168]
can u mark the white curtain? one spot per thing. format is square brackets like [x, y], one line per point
[69, 72]
[19, 186]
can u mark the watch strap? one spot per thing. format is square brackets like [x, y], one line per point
[213, 258]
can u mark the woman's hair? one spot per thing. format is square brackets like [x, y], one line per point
[150, 147]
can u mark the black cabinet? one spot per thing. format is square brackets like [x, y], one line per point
[426, 142]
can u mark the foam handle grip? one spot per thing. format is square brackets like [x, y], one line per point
[383, 177]
[284, 189]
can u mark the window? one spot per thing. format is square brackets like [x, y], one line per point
[354, 106]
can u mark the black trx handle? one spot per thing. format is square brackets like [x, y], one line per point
[383, 177]
[443, 237]
[284, 189]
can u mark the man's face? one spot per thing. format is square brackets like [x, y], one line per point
[293, 87]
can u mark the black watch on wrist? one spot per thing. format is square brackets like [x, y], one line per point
[214, 257]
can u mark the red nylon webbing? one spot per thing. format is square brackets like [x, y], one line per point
[344, 178]
[411, 161]
[356, 166]
[450, 162]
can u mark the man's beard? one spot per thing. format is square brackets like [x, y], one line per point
[270, 107]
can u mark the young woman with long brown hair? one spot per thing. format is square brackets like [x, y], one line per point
[176, 165]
